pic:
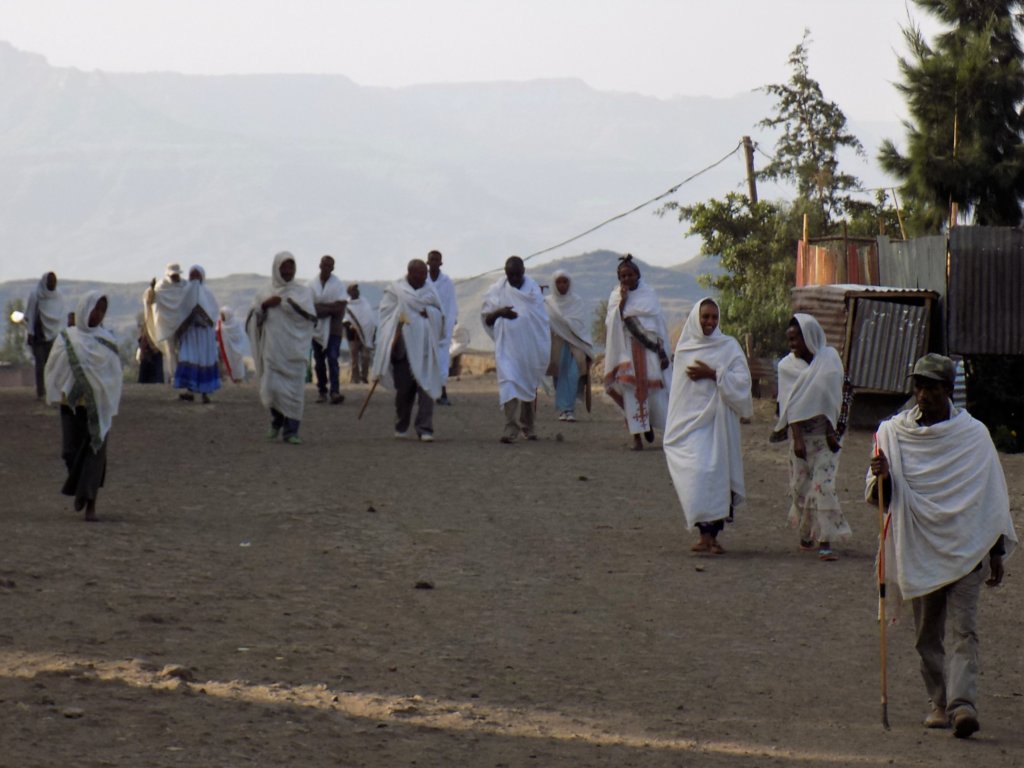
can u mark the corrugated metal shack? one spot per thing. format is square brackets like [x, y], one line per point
[878, 331]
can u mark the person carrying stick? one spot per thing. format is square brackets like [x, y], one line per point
[950, 529]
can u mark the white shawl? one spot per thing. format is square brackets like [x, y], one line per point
[401, 309]
[446, 293]
[702, 434]
[326, 293]
[641, 303]
[521, 346]
[48, 307]
[280, 339]
[569, 316]
[949, 500]
[460, 341]
[363, 319]
[233, 344]
[84, 365]
[809, 390]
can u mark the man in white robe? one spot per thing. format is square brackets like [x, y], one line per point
[329, 300]
[950, 526]
[514, 316]
[406, 359]
[361, 332]
[446, 292]
[45, 316]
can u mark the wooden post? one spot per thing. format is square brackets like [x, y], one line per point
[806, 238]
[899, 216]
[748, 149]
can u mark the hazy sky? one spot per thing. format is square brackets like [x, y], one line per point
[655, 47]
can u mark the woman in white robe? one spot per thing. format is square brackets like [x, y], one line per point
[572, 349]
[233, 345]
[638, 372]
[197, 371]
[46, 316]
[710, 394]
[280, 327]
[84, 376]
[810, 400]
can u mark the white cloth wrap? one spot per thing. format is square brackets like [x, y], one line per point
[234, 344]
[642, 303]
[170, 304]
[445, 288]
[86, 357]
[460, 341]
[280, 339]
[48, 306]
[521, 346]
[814, 389]
[949, 500]
[702, 436]
[569, 317]
[325, 293]
[400, 312]
[363, 319]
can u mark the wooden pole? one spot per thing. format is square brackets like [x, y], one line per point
[748, 150]
[899, 216]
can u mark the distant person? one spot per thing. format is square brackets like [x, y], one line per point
[710, 394]
[950, 527]
[233, 345]
[197, 370]
[149, 357]
[513, 315]
[446, 291]
[810, 401]
[280, 328]
[329, 300]
[458, 347]
[85, 377]
[45, 316]
[163, 304]
[572, 348]
[637, 369]
[361, 333]
[407, 360]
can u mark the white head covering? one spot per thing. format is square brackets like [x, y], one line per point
[569, 316]
[201, 296]
[48, 306]
[84, 365]
[809, 390]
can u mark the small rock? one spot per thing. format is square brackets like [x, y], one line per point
[559, 438]
[371, 508]
[178, 671]
[699, 568]
[423, 584]
[73, 713]
[583, 478]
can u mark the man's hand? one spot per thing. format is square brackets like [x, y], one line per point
[273, 301]
[833, 441]
[508, 313]
[799, 448]
[880, 465]
[700, 370]
[996, 562]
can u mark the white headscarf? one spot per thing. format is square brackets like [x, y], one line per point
[809, 390]
[201, 296]
[49, 307]
[167, 306]
[569, 316]
[84, 365]
[643, 304]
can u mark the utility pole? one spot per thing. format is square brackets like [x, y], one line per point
[748, 149]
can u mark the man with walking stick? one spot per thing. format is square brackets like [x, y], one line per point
[949, 530]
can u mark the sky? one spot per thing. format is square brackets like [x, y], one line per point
[655, 47]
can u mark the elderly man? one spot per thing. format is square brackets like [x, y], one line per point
[446, 292]
[406, 359]
[514, 316]
[329, 300]
[950, 527]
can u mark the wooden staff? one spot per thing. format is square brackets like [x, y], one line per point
[883, 645]
[366, 402]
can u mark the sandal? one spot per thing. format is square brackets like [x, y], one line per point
[701, 546]
[827, 555]
[807, 545]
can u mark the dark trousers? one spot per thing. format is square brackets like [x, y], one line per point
[41, 353]
[713, 528]
[86, 470]
[278, 420]
[406, 393]
[326, 361]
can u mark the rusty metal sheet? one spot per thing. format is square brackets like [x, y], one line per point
[888, 336]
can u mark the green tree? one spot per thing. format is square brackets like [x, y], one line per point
[963, 93]
[15, 334]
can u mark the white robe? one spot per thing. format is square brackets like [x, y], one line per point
[702, 437]
[84, 365]
[280, 339]
[949, 499]
[325, 293]
[233, 345]
[570, 317]
[362, 317]
[810, 389]
[47, 307]
[449, 305]
[401, 309]
[521, 346]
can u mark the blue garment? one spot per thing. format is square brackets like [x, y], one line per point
[198, 369]
[567, 381]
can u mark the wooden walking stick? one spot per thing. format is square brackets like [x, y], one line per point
[883, 645]
[366, 402]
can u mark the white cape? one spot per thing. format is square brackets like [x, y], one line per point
[49, 307]
[949, 500]
[233, 345]
[702, 434]
[325, 293]
[814, 389]
[363, 319]
[401, 309]
[521, 346]
[570, 317]
[449, 305]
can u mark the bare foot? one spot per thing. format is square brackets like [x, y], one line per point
[716, 548]
[90, 512]
[638, 444]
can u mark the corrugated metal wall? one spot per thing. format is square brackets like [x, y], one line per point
[985, 304]
[888, 336]
[917, 263]
[840, 260]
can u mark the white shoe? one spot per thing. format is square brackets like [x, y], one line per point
[563, 416]
[426, 437]
[570, 416]
[401, 435]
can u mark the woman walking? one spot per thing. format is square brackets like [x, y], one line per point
[571, 347]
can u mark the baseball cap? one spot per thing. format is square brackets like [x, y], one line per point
[937, 367]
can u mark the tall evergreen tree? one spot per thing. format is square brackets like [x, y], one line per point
[964, 91]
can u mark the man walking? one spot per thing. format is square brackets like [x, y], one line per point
[446, 293]
[329, 300]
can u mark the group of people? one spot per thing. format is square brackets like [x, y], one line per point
[935, 471]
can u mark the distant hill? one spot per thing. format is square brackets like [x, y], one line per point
[593, 276]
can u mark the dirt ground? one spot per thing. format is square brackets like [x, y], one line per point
[243, 603]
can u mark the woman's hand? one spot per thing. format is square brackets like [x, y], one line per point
[700, 370]
[273, 301]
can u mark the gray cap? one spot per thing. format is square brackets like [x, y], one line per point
[937, 367]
